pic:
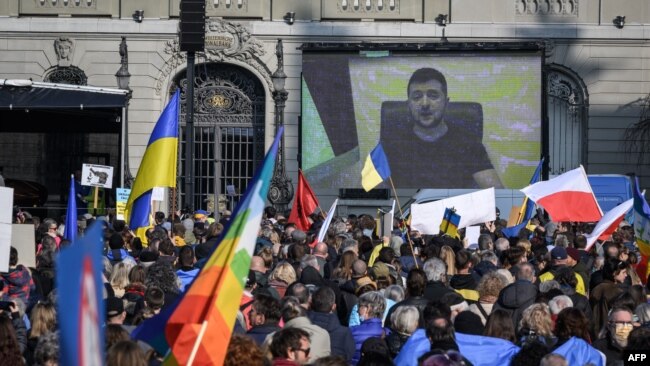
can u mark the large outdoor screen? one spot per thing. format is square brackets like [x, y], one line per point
[444, 120]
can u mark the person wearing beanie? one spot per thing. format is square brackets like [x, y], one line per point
[559, 260]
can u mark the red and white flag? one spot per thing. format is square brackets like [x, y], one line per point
[608, 224]
[567, 197]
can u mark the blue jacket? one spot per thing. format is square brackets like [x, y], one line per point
[186, 277]
[341, 340]
[367, 329]
[479, 350]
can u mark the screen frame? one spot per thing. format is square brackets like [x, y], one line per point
[448, 48]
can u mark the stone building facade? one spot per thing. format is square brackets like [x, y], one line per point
[597, 57]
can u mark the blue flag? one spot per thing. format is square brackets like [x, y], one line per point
[527, 207]
[71, 229]
[578, 352]
[80, 309]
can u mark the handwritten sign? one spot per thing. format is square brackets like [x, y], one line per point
[122, 196]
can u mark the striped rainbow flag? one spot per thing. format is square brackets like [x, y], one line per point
[199, 329]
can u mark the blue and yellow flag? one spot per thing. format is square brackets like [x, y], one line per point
[157, 169]
[641, 220]
[376, 168]
[527, 207]
[450, 221]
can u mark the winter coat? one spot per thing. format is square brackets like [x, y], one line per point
[367, 329]
[18, 283]
[341, 340]
[260, 332]
[515, 298]
[435, 290]
[417, 301]
[395, 342]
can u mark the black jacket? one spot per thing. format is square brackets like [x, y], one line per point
[435, 290]
[341, 340]
[417, 301]
[515, 298]
[259, 333]
[463, 281]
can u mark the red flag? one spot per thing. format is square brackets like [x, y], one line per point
[304, 204]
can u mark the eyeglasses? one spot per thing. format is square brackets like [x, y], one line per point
[53, 228]
[304, 350]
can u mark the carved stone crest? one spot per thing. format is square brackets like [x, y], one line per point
[225, 42]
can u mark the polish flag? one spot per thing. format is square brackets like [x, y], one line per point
[608, 224]
[567, 197]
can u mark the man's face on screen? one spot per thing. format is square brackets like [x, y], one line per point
[427, 103]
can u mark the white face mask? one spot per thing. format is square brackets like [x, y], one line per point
[368, 233]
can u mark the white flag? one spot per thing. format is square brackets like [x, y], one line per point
[328, 220]
[474, 208]
[609, 219]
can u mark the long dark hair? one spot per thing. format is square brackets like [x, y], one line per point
[9, 348]
[499, 324]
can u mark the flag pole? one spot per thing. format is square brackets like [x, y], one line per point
[401, 214]
[195, 348]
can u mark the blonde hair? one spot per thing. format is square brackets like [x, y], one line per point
[284, 272]
[43, 319]
[537, 318]
[491, 284]
[120, 275]
[449, 257]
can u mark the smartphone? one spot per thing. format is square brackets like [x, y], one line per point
[6, 305]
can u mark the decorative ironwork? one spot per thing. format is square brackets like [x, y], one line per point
[281, 189]
[66, 75]
[567, 115]
[228, 129]
[547, 7]
[244, 49]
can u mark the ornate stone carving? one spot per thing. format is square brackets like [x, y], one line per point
[64, 49]
[66, 75]
[368, 6]
[242, 49]
[547, 7]
[562, 87]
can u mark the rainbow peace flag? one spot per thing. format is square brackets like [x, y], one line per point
[197, 329]
[376, 169]
[157, 169]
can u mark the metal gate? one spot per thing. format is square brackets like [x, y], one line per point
[567, 116]
[228, 133]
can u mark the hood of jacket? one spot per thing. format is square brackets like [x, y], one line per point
[463, 281]
[517, 294]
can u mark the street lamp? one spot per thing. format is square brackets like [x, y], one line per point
[281, 189]
[123, 77]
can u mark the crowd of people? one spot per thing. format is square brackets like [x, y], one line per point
[355, 298]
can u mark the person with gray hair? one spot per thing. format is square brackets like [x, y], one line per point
[404, 321]
[371, 310]
[501, 245]
[559, 303]
[436, 272]
[516, 297]
[47, 349]
[350, 245]
[485, 242]
[309, 261]
[643, 313]
[295, 316]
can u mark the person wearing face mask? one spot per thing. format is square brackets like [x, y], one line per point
[614, 335]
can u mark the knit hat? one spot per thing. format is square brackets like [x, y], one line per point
[573, 253]
[114, 307]
[298, 236]
[468, 322]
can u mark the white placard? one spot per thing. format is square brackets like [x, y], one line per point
[158, 194]
[97, 176]
[6, 205]
[472, 233]
[22, 238]
[474, 208]
[388, 221]
[5, 245]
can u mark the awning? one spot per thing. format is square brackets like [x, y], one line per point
[27, 94]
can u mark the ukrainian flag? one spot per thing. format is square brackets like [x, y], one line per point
[449, 224]
[157, 169]
[376, 168]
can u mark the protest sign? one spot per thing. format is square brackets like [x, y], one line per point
[97, 176]
[6, 214]
[22, 238]
[122, 196]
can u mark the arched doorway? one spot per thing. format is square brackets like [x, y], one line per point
[568, 106]
[228, 132]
